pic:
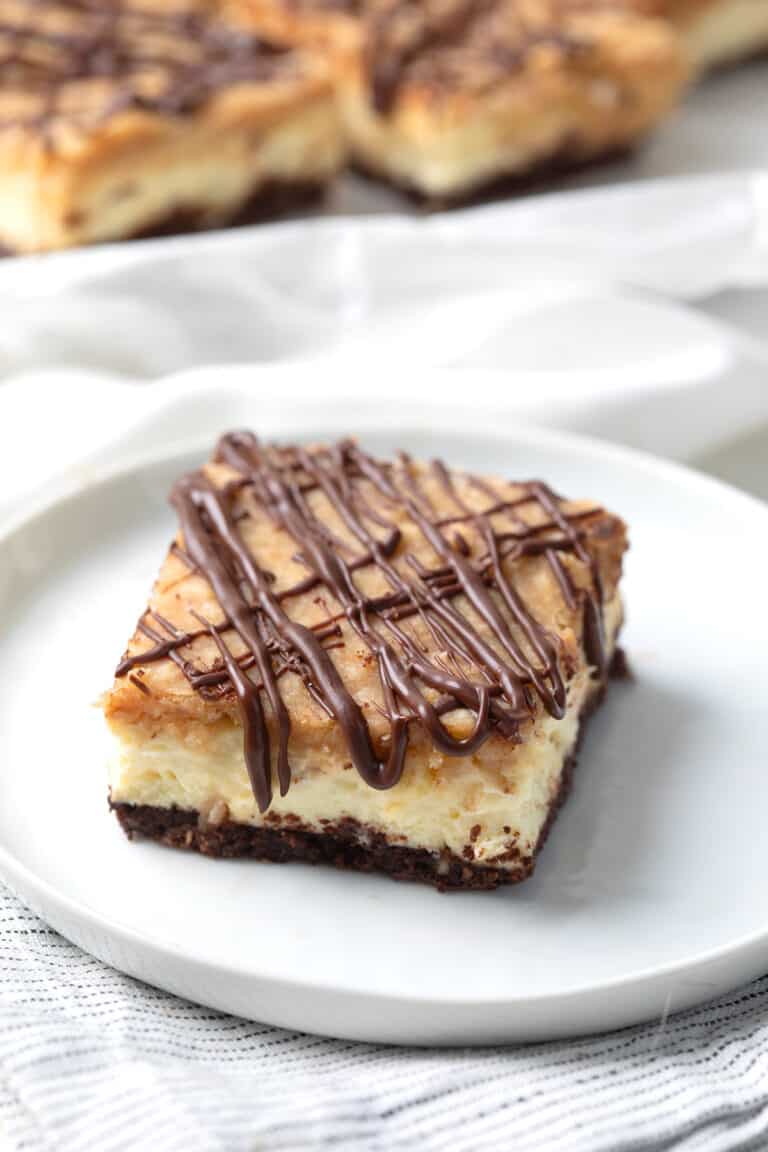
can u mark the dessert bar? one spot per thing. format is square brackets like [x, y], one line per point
[377, 664]
[451, 98]
[119, 119]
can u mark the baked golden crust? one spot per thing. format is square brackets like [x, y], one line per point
[72, 65]
[182, 597]
[336, 26]
[114, 117]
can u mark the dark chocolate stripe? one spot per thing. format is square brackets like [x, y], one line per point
[457, 44]
[189, 56]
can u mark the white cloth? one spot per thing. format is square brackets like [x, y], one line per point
[633, 313]
[92, 1061]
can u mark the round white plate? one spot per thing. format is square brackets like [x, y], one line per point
[650, 894]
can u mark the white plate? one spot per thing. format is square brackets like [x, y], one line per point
[650, 894]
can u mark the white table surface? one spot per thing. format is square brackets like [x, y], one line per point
[744, 462]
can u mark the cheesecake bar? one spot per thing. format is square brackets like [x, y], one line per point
[382, 665]
[448, 97]
[129, 117]
[718, 32]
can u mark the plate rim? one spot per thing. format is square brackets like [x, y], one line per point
[65, 488]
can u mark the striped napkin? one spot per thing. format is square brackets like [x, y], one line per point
[93, 1061]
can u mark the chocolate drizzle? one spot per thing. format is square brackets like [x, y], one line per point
[493, 659]
[466, 44]
[83, 61]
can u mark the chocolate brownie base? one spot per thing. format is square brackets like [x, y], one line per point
[270, 201]
[345, 844]
[545, 176]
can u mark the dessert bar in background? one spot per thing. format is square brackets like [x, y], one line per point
[124, 118]
[448, 97]
[380, 665]
[465, 95]
[119, 119]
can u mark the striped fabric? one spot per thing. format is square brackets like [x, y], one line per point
[92, 1061]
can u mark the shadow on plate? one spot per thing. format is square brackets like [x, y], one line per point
[598, 846]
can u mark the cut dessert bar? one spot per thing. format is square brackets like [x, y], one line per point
[382, 665]
[448, 97]
[121, 118]
[455, 96]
